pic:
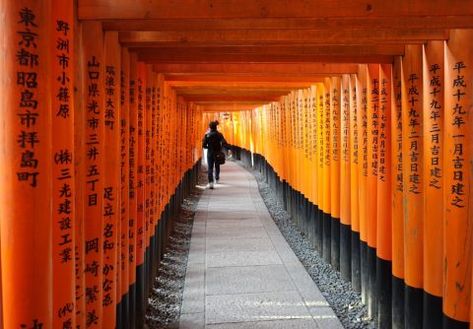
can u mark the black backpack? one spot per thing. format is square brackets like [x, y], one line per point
[220, 158]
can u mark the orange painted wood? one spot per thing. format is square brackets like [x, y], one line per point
[272, 37]
[313, 141]
[93, 179]
[244, 79]
[345, 180]
[320, 144]
[25, 165]
[234, 98]
[327, 147]
[362, 122]
[433, 74]
[222, 84]
[372, 114]
[384, 186]
[141, 84]
[286, 53]
[369, 23]
[63, 158]
[457, 176]
[397, 209]
[130, 9]
[354, 154]
[257, 68]
[133, 172]
[111, 209]
[335, 110]
[413, 196]
[80, 167]
[149, 188]
[124, 258]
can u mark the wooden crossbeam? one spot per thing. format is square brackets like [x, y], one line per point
[228, 106]
[258, 85]
[177, 79]
[202, 9]
[232, 98]
[275, 37]
[367, 22]
[254, 69]
[280, 53]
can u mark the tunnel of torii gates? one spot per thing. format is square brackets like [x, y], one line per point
[357, 113]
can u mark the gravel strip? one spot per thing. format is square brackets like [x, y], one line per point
[166, 297]
[345, 302]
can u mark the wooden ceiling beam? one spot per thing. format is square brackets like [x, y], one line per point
[275, 37]
[183, 85]
[224, 106]
[185, 70]
[204, 9]
[230, 107]
[283, 53]
[287, 23]
[177, 79]
[231, 98]
[269, 92]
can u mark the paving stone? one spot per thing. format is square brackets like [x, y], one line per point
[277, 324]
[192, 321]
[241, 273]
[257, 307]
[234, 245]
[242, 258]
[247, 279]
[235, 232]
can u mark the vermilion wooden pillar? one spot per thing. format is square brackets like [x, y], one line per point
[354, 173]
[141, 84]
[133, 185]
[372, 115]
[80, 167]
[397, 209]
[362, 121]
[111, 189]
[63, 159]
[327, 177]
[345, 189]
[25, 165]
[124, 186]
[383, 287]
[335, 102]
[458, 234]
[433, 75]
[320, 165]
[92, 177]
[413, 197]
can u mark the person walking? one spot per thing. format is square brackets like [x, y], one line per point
[214, 142]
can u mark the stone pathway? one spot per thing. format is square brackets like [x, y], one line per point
[241, 272]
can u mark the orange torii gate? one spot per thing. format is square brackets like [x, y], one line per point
[402, 146]
[373, 160]
[75, 172]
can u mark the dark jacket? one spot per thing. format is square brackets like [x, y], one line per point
[213, 141]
